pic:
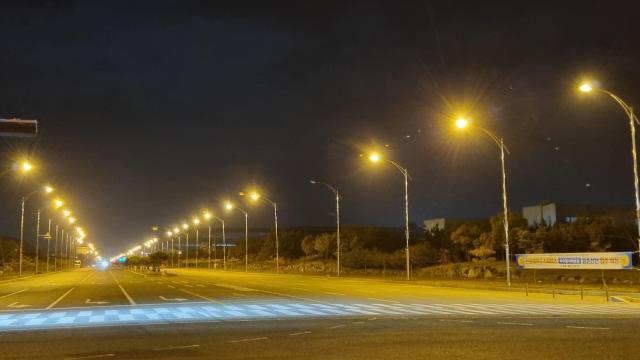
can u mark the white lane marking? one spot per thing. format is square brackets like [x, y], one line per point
[122, 289]
[337, 326]
[514, 323]
[358, 322]
[587, 327]
[376, 299]
[175, 299]
[177, 347]
[234, 287]
[333, 293]
[247, 340]
[456, 320]
[68, 292]
[88, 301]
[239, 295]
[171, 286]
[91, 357]
[13, 293]
[300, 333]
[201, 296]
[17, 305]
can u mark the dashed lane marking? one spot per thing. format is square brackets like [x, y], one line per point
[300, 333]
[13, 293]
[247, 340]
[513, 323]
[177, 347]
[587, 327]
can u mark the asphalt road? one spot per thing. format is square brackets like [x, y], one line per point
[200, 314]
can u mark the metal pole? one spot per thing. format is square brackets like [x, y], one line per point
[48, 243]
[635, 169]
[172, 251]
[209, 238]
[63, 251]
[55, 251]
[37, 239]
[224, 248]
[21, 236]
[275, 216]
[406, 218]
[187, 257]
[505, 212]
[179, 249]
[197, 245]
[338, 228]
[246, 242]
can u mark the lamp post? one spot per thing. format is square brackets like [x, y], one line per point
[185, 227]
[463, 123]
[48, 237]
[46, 189]
[196, 223]
[633, 119]
[337, 195]
[170, 235]
[229, 206]
[375, 158]
[255, 196]
[207, 216]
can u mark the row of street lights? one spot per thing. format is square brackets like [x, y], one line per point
[461, 123]
[57, 204]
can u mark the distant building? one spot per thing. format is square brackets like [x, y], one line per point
[448, 224]
[551, 213]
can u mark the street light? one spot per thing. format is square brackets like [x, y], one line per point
[255, 196]
[196, 223]
[46, 190]
[587, 87]
[463, 123]
[335, 191]
[375, 158]
[229, 206]
[208, 215]
[170, 235]
[185, 227]
[176, 230]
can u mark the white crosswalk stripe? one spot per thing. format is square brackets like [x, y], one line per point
[26, 319]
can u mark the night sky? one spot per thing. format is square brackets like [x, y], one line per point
[150, 111]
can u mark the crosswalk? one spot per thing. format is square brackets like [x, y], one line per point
[194, 312]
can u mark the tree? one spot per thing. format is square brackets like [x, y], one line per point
[463, 238]
[308, 245]
[325, 244]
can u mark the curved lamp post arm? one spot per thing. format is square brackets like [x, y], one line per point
[627, 109]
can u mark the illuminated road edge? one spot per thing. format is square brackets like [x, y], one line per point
[199, 312]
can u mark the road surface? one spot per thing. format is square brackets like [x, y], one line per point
[204, 314]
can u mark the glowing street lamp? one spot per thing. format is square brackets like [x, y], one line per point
[376, 158]
[335, 191]
[170, 236]
[176, 231]
[463, 123]
[46, 190]
[230, 206]
[25, 167]
[255, 196]
[207, 215]
[185, 227]
[588, 87]
[196, 224]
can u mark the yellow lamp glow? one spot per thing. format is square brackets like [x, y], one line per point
[586, 87]
[66, 213]
[254, 196]
[58, 203]
[48, 189]
[207, 215]
[462, 123]
[228, 206]
[185, 226]
[374, 157]
[196, 221]
[26, 166]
